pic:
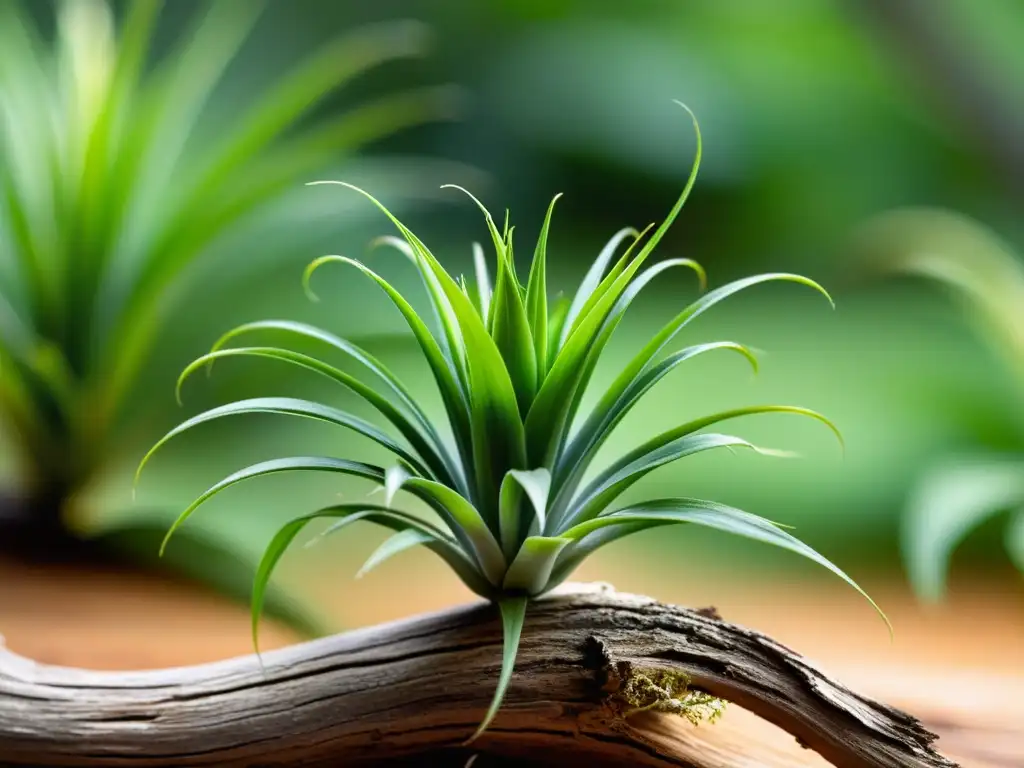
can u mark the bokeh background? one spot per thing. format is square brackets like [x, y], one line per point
[817, 117]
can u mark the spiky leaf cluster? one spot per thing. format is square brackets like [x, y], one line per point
[111, 186]
[515, 510]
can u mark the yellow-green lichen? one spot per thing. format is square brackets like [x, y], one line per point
[668, 691]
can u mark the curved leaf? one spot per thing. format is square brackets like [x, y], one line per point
[291, 407]
[398, 518]
[500, 247]
[713, 515]
[950, 501]
[590, 282]
[466, 523]
[453, 395]
[274, 466]
[670, 436]
[603, 335]
[351, 513]
[394, 545]
[272, 555]
[537, 484]
[643, 358]
[394, 479]
[497, 431]
[610, 485]
[554, 399]
[384, 406]
[577, 360]
[613, 406]
[451, 339]
[354, 351]
[508, 325]
[510, 330]
[556, 321]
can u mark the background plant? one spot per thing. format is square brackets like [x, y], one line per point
[124, 165]
[966, 489]
[509, 473]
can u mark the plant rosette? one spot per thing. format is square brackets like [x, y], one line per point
[505, 471]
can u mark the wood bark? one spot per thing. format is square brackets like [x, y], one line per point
[412, 691]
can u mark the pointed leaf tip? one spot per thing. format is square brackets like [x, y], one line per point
[394, 479]
[313, 266]
[394, 242]
[513, 614]
[395, 544]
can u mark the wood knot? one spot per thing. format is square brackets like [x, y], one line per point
[609, 674]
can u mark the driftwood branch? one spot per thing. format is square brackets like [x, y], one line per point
[415, 689]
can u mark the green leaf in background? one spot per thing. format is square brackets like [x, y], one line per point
[115, 186]
[208, 561]
[948, 503]
[957, 496]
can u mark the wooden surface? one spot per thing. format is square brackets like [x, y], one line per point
[959, 666]
[416, 688]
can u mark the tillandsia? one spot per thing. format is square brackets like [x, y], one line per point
[114, 183]
[515, 509]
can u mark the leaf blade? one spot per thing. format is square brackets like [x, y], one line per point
[287, 406]
[350, 513]
[950, 500]
[273, 466]
[609, 486]
[721, 517]
[537, 293]
[466, 522]
[513, 616]
[614, 406]
[393, 545]
[423, 446]
[532, 567]
[591, 280]
[667, 437]
[513, 527]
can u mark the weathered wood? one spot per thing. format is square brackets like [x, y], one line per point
[415, 689]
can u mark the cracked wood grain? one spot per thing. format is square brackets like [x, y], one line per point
[412, 691]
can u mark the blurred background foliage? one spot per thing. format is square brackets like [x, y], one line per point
[818, 115]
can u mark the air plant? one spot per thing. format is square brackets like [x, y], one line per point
[112, 187]
[959, 493]
[506, 472]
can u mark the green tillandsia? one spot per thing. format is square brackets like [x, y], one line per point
[960, 492]
[112, 186]
[514, 513]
